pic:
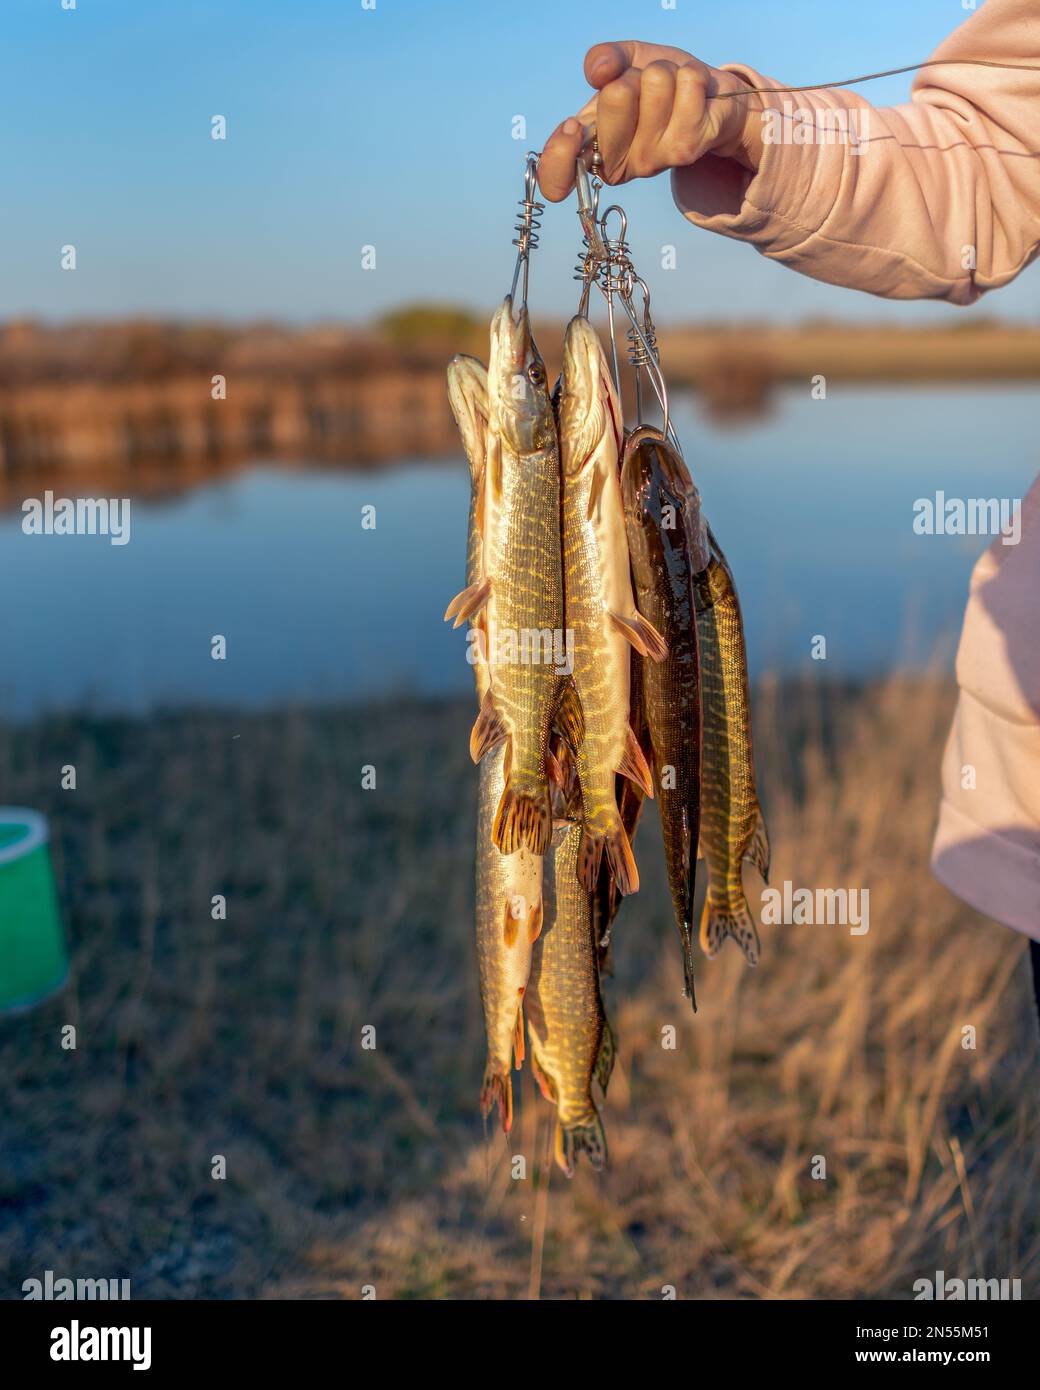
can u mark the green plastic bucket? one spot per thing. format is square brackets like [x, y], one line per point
[33, 959]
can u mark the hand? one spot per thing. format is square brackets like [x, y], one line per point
[653, 112]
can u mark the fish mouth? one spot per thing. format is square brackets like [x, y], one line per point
[467, 386]
[582, 356]
[510, 337]
[649, 457]
[637, 473]
[587, 399]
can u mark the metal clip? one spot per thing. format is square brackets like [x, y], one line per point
[528, 223]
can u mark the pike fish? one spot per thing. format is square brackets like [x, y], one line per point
[599, 606]
[509, 920]
[607, 899]
[732, 827]
[468, 397]
[668, 546]
[570, 1038]
[520, 589]
[509, 887]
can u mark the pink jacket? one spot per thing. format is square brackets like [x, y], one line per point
[935, 199]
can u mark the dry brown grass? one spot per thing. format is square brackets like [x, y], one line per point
[346, 908]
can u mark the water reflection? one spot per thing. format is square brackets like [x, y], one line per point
[814, 505]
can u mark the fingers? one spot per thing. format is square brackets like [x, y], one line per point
[656, 103]
[648, 116]
[556, 166]
[605, 62]
[617, 118]
[685, 137]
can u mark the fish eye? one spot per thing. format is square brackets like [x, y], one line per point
[536, 374]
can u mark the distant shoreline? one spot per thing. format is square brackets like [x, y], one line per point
[168, 405]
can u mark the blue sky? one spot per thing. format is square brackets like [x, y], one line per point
[389, 127]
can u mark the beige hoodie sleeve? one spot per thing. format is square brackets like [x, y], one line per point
[938, 198]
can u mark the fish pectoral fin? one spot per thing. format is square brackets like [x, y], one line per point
[634, 766]
[488, 729]
[757, 852]
[642, 634]
[471, 601]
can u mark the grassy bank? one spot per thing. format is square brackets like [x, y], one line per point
[348, 908]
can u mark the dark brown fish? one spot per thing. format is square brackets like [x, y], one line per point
[667, 544]
[732, 827]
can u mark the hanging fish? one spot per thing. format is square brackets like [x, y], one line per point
[509, 920]
[509, 887]
[468, 397]
[520, 591]
[732, 827]
[668, 547]
[607, 898]
[599, 606]
[570, 1038]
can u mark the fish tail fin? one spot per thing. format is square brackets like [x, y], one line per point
[731, 919]
[497, 1089]
[614, 844]
[588, 1139]
[606, 1057]
[757, 852]
[523, 819]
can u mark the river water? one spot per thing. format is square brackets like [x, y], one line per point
[814, 505]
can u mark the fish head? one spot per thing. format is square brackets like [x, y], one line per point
[589, 410]
[659, 494]
[517, 384]
[468, 396]
[651, 490]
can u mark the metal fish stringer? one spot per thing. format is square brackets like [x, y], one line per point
[527, 226]
[607, 261]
